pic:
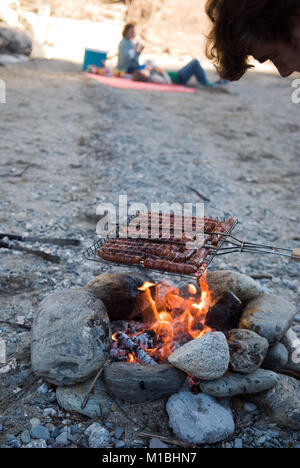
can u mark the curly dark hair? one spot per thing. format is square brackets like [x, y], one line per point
[237, 23]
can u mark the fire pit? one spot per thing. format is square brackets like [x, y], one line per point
[171, 318]
[216, 338]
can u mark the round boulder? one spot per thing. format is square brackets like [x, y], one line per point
[119, 293]
[15, 41]
[277, 357]
[247, 350]
[206, 358]
[70, 337]
[269, 316]
[282, 402]
[199, 419]
[243, 286]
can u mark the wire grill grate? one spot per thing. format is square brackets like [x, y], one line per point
[215, 231]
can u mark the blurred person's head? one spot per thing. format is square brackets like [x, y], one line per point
[263, 29]
[129, 31]
[139, 75]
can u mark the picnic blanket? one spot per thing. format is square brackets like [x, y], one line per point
[126, 83]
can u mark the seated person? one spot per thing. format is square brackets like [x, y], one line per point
[129, 53]
[157, 75]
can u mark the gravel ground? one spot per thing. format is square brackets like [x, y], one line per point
[86, 144]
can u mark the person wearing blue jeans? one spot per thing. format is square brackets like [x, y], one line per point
[194, 69]
[157, 75]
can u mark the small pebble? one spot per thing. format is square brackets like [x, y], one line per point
[37, 444]
[14, 443]
[250, 407]
[25, 437]
[238, 444]
[157, 444]
[35, 422]
[55, 433]
[62, 439]
[49, 412]
[67, 422]
[119, 431]
[74, 428]
[50, 427]
[51, 397]
[120, 444]
[39, 432]
[261, 440]
[43, 389]
[98, 435]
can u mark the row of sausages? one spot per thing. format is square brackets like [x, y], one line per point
[169, 257]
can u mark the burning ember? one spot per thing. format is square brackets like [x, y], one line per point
[170, 319]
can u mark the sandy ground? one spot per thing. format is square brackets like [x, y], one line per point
[86, 144]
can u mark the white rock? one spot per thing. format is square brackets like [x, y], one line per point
[35, 422]
[199, 419]
[43, 389]
[37, 444]
[292, 343]
[49, 412]
[98, 436]
[206, 358]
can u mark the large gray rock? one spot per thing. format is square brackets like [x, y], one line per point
[138, 383]
[98, 405]
[206, 358]
[240, 384]
[268, 316]
[119, 293]
[199, 419]
[292, 344]
[277, 357]
[244, 287]
[15, 41]
[247, 350]
[70, 337]
[282, 403]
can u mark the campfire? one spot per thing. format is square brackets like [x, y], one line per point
[214, 339]
[171, 318]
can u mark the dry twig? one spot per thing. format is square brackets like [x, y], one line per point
[91, 388]
[15, 324]
[201, 195]
[166, 439]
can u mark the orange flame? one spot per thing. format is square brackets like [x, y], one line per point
[175, 319]
[131, 358]
[192, 289]
[146, 285]
[113, 337]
